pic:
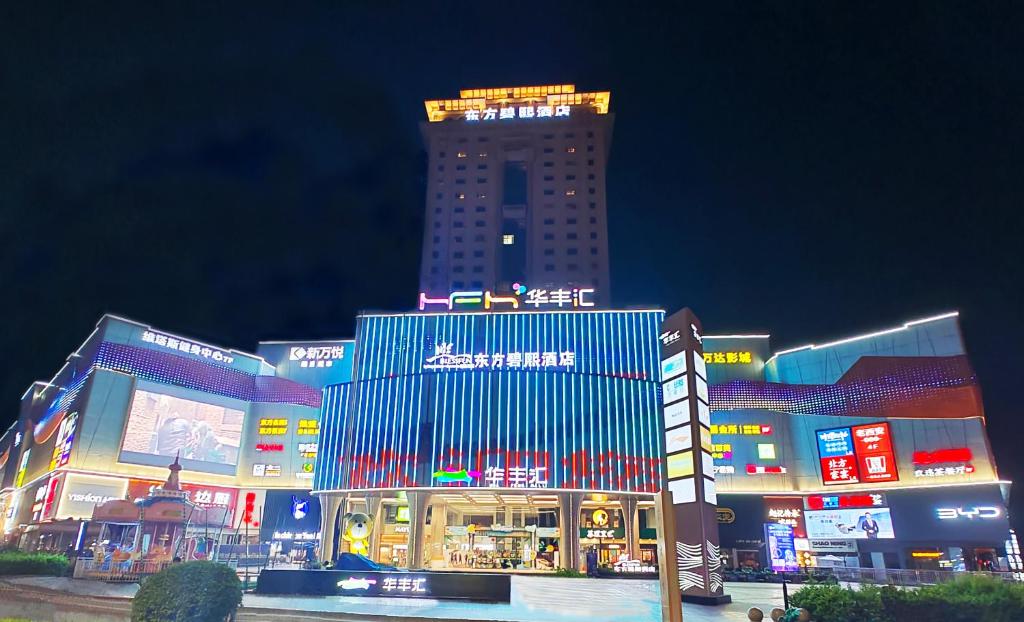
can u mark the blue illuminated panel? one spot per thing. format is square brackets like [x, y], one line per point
[510, 400]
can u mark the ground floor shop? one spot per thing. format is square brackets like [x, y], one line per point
[492, 530]
[937, 528]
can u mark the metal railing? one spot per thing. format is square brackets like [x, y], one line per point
[885, 576]
[128, 571]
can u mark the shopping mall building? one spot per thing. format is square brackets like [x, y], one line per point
[514, 419]
[132, 398]
[467, 460]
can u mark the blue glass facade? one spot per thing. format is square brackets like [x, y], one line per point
[563, 400]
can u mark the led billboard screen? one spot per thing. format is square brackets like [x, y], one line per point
[206, 436]
[862, 524]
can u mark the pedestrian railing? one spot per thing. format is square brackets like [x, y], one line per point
[121, 571]
[886, 576]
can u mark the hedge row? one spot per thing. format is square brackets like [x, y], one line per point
[970, 598]
[18, 563]
[192, 592]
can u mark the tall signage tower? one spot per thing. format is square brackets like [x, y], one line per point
[688, 554]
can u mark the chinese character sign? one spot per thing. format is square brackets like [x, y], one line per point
[873, 446]
[838, 463]
[444, 359]
[186, 347]
[728, 358]
[516, 112]
[857, 454]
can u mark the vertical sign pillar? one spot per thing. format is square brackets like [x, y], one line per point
[688, 502]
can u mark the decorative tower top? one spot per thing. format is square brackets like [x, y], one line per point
[172, 482]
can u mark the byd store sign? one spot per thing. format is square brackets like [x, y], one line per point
[971, 512]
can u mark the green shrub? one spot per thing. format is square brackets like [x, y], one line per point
[831, 603]
[968, 598]
[19, 563]
[191, 592]
[569, 573]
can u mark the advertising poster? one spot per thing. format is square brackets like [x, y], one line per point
[781, 547]
[167, 426]
[859, 524]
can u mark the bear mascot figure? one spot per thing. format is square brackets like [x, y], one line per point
[356, 531]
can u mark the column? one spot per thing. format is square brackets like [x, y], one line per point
[329, 508]
[569, 505]
[373, 505]
[419, 501]
[631, 524]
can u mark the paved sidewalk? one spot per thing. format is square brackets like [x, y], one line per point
[534, 599]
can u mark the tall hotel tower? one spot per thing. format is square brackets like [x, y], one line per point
[516, 190]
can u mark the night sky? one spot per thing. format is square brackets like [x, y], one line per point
[254, 171]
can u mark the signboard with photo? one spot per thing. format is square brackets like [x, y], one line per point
[860, 524]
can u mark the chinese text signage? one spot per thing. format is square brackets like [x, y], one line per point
[521, 297]
[517, 112]
[444, 359]
[856, 454]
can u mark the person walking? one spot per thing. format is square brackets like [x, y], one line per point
[591, 562]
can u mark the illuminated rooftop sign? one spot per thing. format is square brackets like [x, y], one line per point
[444, 359]
[728, 358]
[521, 297]
[520, 102]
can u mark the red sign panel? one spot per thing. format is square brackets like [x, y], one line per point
[875, 453]
[203, 496]
[943, 456]
[873, 446]
[839, 470]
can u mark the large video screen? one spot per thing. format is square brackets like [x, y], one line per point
[167, 426]
[862, 524]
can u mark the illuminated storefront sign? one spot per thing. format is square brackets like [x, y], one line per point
[786, 511]
[725, 469]
[721, 451]
[199, 494]
[941, 463]
[835, 502]
[308, 450]
[516, 477]
[599, 534]
[453, 476]
[266, 470]
[741, 429]
[82, 493]
[963, 469]
[444, 360]
[520, 112]
[727, 358]
[309, 427]
[758, 469]
[65, 438]
[269, 447]
[873, 447]
[181, 345]
[855, 454]
[273, 427]
[843, 545]
[316, 356]
[301, 536]
[537, 298]
[972, 512]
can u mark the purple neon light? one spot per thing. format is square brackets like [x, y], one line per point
[856, 394]
[177, 370]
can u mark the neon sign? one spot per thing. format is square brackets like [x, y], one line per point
[516, 477]
[445, 360]
[316, 356]
[273, 427]
[757, 469]
[269, 447]
[356, 583]
[474, 300]
[309, 427]
[524, 112]
[943, 456]
[963, 469]
[741, 430]
[181, 345]
[728, 358]
[983, 512]
[451, 476]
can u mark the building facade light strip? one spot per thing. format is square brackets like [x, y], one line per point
[736, 336]
[861, 488]
[880, 333]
